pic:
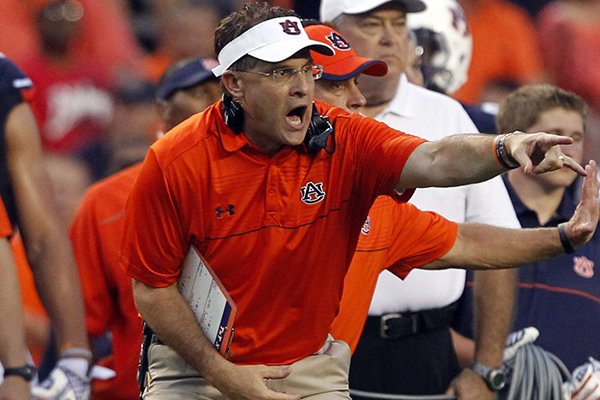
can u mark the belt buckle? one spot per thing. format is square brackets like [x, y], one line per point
[383, 324]
[384, 327]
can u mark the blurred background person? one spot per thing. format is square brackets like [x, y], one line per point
[443, 38]
[187, 87]
[505, 48]
[27, 193]
[561, 296]
[70, 177]
[15, 369]
[183, 30]
[106, 34]
[134, 125]
[73, 101]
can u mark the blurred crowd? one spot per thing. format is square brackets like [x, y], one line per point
[95, 64]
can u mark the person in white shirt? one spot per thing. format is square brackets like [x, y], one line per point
[422, 360]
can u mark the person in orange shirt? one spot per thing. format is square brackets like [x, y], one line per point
[276, 209]
[16, 373]
[186, 88]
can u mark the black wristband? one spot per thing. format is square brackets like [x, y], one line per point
[564, 239]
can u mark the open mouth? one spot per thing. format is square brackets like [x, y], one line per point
[296, 115]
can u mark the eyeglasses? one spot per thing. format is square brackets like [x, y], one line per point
[284, 74]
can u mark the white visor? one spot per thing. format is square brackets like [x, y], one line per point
[273, 40]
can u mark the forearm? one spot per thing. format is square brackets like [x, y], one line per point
[57, 282]
[453, 161]
[171, 318]
[488, 247]
[493, 302]
[12, 331]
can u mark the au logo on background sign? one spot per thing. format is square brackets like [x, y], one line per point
[312, 193]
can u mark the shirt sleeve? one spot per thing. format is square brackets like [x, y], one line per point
[418, 238]
[153, 243]
[382, 153]
[88, 245]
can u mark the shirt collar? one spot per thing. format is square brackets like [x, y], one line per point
[401, 103]
[231, 141]
[528, 218]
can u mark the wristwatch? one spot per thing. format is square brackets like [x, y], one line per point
[26, 372]
[494, 378]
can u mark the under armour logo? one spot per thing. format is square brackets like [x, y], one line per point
[230, 209]
[583, 266]
[366, 228]
[290, 27]
[338, 41]
[312, 193]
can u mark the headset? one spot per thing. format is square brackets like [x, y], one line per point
[319, 130]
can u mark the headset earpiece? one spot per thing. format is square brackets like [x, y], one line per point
[233, 113]
[318, 133]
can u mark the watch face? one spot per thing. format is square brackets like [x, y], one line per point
[496, 379]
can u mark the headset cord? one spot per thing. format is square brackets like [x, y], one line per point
[536, 375]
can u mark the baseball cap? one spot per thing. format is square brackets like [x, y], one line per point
[331, 9]
[345, 63]
[184, 75]
[273, 40]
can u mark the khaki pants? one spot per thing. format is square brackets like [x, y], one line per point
[321, 376]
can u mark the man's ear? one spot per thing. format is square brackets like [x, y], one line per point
[233, 84]
[163, 109]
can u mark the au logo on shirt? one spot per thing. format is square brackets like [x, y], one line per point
[583, 266]
[312, 193]
[366, 228]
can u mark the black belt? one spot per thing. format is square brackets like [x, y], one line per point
[398, 325]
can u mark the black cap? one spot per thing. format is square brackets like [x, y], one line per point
[185, 74]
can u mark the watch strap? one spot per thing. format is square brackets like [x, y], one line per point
[486, 373]
[26, 372]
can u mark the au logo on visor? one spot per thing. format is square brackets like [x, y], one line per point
[290, 27]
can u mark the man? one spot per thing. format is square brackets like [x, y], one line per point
[13, 351]
[186, 88]
[558, 296]
[406, 346]
[339, 84]
[26, 192]
[276, 211]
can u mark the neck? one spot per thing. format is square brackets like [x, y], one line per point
[378, 91]
[544, 201]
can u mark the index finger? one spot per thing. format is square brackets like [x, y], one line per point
[574, 165]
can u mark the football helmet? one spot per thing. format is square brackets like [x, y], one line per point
[443, 33]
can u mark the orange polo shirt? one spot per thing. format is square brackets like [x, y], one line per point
[108, 296]
[279, 231]
[397, 237]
